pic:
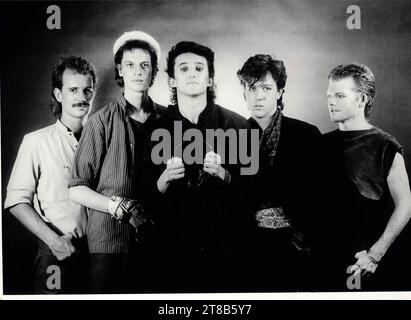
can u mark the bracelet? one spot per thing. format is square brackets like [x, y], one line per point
[372, 259]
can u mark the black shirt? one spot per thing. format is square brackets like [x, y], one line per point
[201, 214]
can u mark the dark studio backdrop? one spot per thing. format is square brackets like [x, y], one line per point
[310, 36]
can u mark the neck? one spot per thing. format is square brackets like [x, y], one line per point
[74, 124]
[191, 107]
[354, 124]
[136, 99]
[265, 122]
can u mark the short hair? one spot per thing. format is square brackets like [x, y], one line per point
[129, 46]
[363, 78]
[198, 49]
[256, 69]
[74, 63]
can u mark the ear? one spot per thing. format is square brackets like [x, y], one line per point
[364, 99]
[57, 94]
[119, 70]
[172, 82]
[210, 82]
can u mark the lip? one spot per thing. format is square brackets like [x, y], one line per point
[258, 106]
[192, 82]
[137, 80]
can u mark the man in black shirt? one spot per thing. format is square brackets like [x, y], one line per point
[370, 197]
[202, 198]
[284, 191]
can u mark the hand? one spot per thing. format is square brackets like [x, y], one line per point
[62, 247]
[364, 265]
[212, 165]
[174, 171]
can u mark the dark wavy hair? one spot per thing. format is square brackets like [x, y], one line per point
[256, 69]
[363, 78]
[75, 63]
[129, 46]
[198, 49]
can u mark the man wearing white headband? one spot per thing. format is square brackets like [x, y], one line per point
[110, 173]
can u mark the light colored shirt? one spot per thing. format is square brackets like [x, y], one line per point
[40, 178]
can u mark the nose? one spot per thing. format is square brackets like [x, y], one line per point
[138, 70]
[83, 96]
[192, 73]
[259, 94]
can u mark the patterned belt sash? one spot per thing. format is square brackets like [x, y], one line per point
[272, 218]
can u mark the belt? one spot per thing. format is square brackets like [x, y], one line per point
[272, 218]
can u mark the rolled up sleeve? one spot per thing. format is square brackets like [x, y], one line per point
[25, 174]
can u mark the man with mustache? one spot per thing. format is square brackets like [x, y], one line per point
[369, 188]
[111, 174]
[37, 193]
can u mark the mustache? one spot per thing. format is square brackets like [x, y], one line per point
[81, 104]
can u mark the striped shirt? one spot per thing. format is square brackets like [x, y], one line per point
[107, 161]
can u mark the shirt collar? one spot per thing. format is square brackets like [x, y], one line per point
[66, 130]
[174, 112]
[125, 105]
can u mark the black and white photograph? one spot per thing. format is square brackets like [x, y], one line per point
[254, 148]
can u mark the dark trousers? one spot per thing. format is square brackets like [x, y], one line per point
[132, 272]
[68, 276]
[276, 265]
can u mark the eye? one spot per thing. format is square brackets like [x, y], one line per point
[199, 68]
[129, 65]
[252, 88]
[146, 65]
[184, 69]
[340, 96]
[88, 91]
[74, 90]
[267, 88]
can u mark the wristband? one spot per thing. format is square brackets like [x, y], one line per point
[372, 259]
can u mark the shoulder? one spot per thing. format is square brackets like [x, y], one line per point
[299, 127]
[40, 134]
[385, 137]
[159, 109]
[105, 112]
[232, 117]
[330, 135]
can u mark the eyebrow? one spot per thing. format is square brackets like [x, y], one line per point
[197, 62]
[145, 61]
[262, 85]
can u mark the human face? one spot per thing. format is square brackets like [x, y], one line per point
[262, 97]
[75, 96]
[191, 77]
[345, 103]
[136, 70]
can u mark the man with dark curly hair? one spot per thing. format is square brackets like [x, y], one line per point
[366, 168]
[202, 199]
[37, 193]
[282, 197]
[110, 175]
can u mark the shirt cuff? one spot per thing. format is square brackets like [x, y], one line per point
[227, 177]
[16, 197]
[79, 182]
